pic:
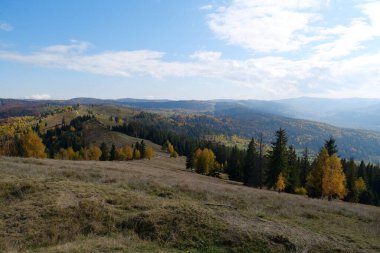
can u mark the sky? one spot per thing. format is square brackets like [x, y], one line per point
[181, 49]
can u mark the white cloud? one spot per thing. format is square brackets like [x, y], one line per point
[74, 47]
[206, 7]
[347, 39]
[6, 27]
[206, 55]
[39, 96]
[266, 26]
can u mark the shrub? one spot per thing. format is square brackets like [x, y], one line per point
[300, 191]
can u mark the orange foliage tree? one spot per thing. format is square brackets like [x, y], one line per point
[31, 145]
[280, 183]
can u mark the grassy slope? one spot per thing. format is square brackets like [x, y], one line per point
[157, 206]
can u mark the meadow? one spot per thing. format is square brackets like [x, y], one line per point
[158, 206]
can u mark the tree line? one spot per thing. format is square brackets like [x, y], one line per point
[325, 176]
[65, 142]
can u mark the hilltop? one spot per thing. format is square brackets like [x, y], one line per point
[158, 206]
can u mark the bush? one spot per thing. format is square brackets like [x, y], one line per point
[300, 191]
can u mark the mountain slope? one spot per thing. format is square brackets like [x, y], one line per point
[157, 206]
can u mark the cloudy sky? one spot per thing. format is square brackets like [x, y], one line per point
[181, 49]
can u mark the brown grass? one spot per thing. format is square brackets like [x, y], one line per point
[157, 206]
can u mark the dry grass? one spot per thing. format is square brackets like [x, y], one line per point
[157, 206]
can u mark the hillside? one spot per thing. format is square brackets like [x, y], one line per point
[156, 206]
[200, 119]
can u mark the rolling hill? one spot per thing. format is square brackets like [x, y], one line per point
[200, 119]
[157, 206]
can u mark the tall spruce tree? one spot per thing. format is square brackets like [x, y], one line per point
[189, 160]
[294, 171]
[105, 152]
[305, 167]
[142, 149]
[251, 175]
[113, 153]
[362, 171]
[235, 164]
[261, 162]
[331, 147]
[278, 159]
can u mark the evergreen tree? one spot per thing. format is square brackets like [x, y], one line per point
[250, 166]
[235, 164]
[261, 162]
[294, 172]
[105, 152]
[331, 146]
[142, 149]
[189, 160]
[278, 159]
[113, 153]
[305, 167]
[314, 179]
[362, 171]
[350, 170]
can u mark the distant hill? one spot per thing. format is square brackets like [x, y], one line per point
[246, 118]
[356, 113]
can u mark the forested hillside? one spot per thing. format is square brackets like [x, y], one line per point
[105, 132]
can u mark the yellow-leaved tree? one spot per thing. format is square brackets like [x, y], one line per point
[31, 145]
[326, 178]
[94, 152]
[204, 160]
[280, 183]
[124, 153]
[334, 179]
[136, 154]
[359, 187]
[149, 153]
[67, 154]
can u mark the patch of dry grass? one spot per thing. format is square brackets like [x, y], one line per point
[157, 206]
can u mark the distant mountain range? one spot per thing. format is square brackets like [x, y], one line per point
[308, 121]
[359, 113]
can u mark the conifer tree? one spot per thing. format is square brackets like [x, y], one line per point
[305, 167]
[278, 158]
[113, 153]
[362, 171]
[261, 162]
[235, 164]
[251, 176]
[105, 156]
[350, 170]
[294, 171]
[331, 147]
[189, 160]
[142, 149]
[314, 179]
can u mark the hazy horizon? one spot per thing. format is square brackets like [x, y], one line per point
[168, 99]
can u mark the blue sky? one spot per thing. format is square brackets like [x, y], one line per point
[180, 49]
